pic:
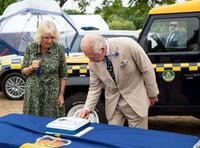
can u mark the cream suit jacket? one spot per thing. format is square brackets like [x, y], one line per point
[136, 81]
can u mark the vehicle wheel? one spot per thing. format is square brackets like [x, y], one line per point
[13, 86]
[75, 103]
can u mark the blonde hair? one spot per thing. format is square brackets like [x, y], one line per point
[46, 27]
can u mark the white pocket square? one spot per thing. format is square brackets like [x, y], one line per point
[124, 63]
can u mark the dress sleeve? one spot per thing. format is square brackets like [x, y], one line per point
[62, 63]
[26, 60]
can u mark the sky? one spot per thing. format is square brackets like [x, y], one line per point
[70, 4]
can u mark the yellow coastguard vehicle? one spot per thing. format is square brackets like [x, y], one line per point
[177, 65]
[176, 62]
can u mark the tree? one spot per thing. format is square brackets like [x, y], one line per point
[61, 2]
[81, 3]
[4, 4]
[119, 23]
[71, 11]
[136, 12]
[117, 16]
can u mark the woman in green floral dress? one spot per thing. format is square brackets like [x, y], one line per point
[44, 67]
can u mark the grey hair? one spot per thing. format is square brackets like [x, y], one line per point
[46, 27]
[99, 43]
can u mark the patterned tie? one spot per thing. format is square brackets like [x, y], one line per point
[110, 67]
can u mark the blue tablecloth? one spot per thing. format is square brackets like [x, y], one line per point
[17, 129]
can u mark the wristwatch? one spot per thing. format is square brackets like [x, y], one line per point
[62, 92]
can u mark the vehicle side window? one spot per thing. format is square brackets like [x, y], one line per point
[3, 50]
[193, 43]
[76, 45]
[174, 35]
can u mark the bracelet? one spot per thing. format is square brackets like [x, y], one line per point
[62, 92]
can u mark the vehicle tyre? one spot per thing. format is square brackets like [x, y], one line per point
[13, 86]
[75, 103]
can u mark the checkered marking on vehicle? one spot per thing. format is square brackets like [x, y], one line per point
[11, 64]
[83, 69]
[77, 70]
[176, 66]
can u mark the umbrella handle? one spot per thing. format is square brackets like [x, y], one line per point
[38, 71]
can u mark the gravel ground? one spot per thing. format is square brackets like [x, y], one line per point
[9, 106]
[179, 124]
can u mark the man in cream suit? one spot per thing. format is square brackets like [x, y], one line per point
[135, 88]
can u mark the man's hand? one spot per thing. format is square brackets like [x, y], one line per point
[153, 100]
[84, 114]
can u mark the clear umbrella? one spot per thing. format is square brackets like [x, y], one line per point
[20, 20]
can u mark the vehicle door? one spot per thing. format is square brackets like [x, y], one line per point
[177, 67]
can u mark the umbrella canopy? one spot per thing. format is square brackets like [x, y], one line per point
[21, 19]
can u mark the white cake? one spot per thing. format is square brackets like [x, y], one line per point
[67, 125]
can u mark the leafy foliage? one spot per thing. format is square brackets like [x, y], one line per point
[121, 24]
[136, 12]
[4, 4]
[70, 11]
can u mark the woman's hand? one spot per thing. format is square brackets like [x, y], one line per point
[61, 100]
[35, 64]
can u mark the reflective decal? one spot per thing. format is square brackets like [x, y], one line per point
[168, 75]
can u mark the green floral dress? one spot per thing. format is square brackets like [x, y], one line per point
[42, 91]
